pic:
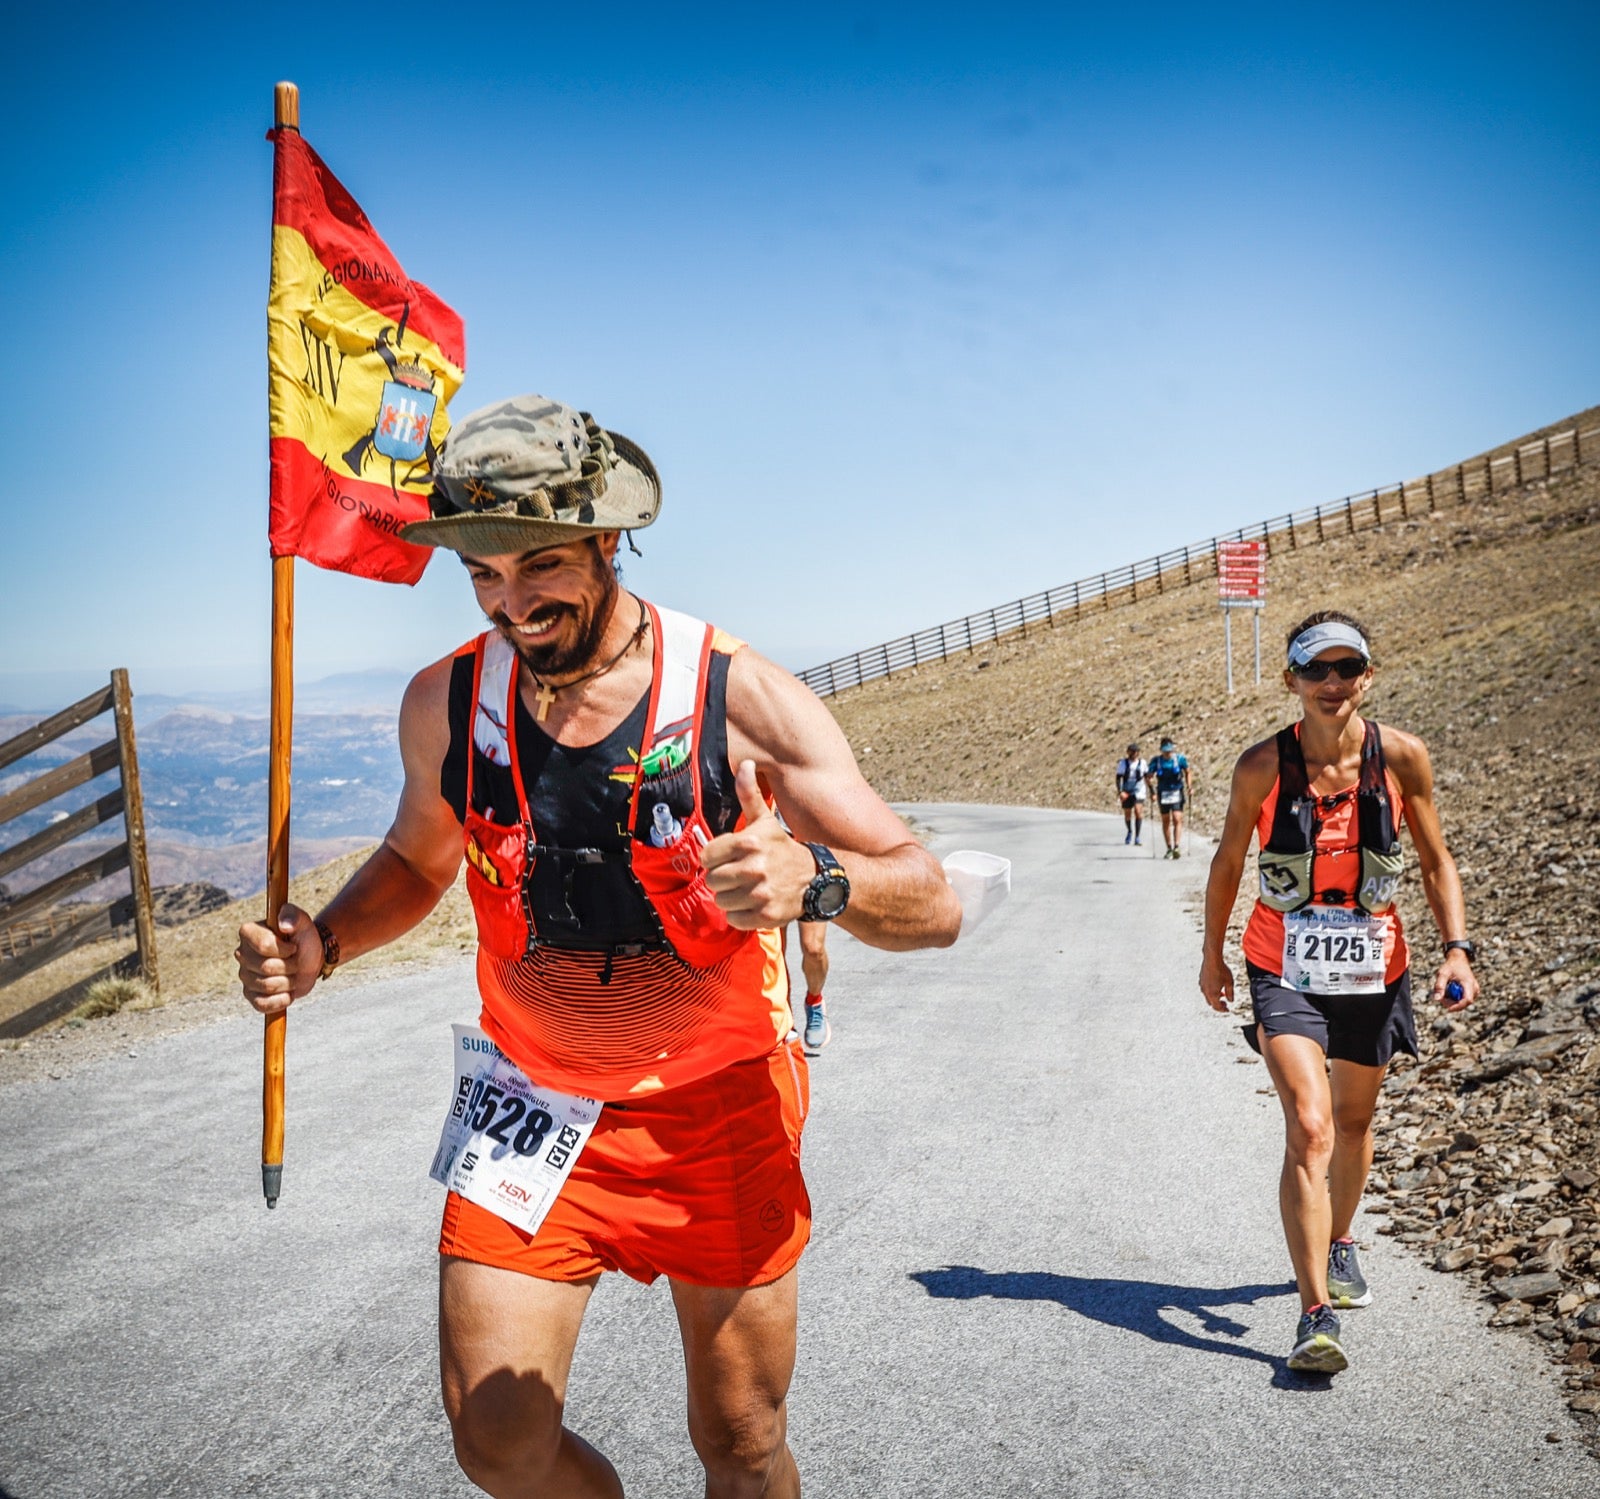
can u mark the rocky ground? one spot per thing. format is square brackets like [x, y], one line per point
[1486, 628]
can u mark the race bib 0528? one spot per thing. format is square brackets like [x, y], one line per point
[1333, 950]
[507, 1144]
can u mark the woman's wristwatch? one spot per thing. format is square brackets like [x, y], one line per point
[1462, 944]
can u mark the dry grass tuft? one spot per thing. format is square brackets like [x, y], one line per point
[113, 994]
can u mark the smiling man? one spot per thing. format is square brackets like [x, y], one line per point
[610, 768]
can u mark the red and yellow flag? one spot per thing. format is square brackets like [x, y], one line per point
[361, 363]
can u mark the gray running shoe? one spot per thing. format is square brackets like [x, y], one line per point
[1347, 1286]
[1317, 1349]
[817, 1032]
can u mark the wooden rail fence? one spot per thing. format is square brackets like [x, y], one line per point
[1183, 566]
[36, 928]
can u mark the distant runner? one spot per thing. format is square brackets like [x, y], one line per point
[1169, 779]
[633, 1100]
[1329, 971]
[1130, 778]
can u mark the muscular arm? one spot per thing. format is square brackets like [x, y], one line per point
[390, 893]
[1441, 884]
[899, 897]
[1252, 780]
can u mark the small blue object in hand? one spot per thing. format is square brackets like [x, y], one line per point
[1453, 989]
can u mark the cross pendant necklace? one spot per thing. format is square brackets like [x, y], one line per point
[547, 694]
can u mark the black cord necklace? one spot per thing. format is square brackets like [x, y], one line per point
[547, 692]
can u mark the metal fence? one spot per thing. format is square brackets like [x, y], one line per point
[1183, 566]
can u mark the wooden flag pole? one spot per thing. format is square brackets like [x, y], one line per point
[286, 112]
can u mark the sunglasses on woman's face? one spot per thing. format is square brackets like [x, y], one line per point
[1348, 667]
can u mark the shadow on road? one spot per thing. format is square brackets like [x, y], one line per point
[1136, 1305]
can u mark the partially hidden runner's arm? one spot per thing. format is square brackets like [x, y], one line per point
[1253, 776]
[1441, 883]
[397, 886]
[779, 730]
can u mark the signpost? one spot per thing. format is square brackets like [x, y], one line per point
[1241, 584]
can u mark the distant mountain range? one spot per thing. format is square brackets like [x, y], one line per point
[203, 768]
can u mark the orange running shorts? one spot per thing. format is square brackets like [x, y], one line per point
[700, 1183]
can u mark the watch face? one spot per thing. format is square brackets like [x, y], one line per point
[831, 898]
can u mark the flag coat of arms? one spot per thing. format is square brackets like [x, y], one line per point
[362, 362]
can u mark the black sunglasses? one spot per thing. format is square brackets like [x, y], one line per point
[1348, 667]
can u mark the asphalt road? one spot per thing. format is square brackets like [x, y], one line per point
[1047, 1258]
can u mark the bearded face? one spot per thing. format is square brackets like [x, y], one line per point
[559, 632]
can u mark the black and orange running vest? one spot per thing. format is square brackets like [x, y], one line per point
[1288, 860]
[607, 968]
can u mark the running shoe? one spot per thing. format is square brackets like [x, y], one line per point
[817, 1032]
[1177, 853]
[1128, 836]
[1347, 1286]
[1317, 1349]
[1138, 841]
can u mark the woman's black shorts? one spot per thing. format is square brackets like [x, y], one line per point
[1367, 1029]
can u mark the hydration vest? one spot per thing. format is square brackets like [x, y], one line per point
[1288, 862]
[648, 896]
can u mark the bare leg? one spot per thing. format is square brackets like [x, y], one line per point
[1299, 1071]
[738, 1351]
[505, 1349]
[814, 963]
[1355, 1099]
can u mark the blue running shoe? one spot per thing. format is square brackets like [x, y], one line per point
[818, 1032]
[1317, 1349]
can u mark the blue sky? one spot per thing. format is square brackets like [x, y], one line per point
[917, 310]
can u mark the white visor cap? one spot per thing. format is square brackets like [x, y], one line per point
[1309, 644]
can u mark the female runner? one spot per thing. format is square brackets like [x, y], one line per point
[1327, 961]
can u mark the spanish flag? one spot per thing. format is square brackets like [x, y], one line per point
[361, 363]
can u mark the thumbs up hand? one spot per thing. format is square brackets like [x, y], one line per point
[758, 872]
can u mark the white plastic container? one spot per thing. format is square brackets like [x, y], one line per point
[981, 882]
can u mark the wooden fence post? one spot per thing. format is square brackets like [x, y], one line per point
[1516, 465]
[1432, 506]
[144, 919]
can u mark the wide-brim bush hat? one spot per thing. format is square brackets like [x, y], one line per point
[531, 472]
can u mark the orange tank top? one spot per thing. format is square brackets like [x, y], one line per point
[1338, 868]
[612, 1025]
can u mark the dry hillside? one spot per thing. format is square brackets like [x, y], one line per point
[1486, 628]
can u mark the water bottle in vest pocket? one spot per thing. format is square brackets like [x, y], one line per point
[672, 878]
[497, 862]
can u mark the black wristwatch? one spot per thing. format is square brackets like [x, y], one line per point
[829, 891]
[1463, 944]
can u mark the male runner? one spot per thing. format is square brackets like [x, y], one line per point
[1169, 779]
[609, 769]
[1130, 777]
